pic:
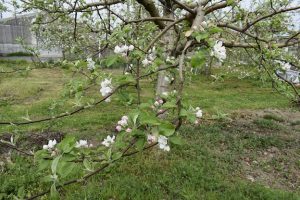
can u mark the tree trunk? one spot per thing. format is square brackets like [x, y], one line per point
[168, 40]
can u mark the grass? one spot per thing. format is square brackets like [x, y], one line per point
[215, 163]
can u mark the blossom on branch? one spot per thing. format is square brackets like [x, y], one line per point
[106, 88]
[151, 138]
[219, 51]
[51, 144]
[108, 141]
[163, 143]
[123, 50]
[82, 143]
[91, 64]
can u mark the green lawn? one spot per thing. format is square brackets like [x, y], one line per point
[252, 155]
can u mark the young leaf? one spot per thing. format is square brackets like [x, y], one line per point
[54, 164]
[166, 129]
[88, 165]
[54, 195]
[175, 139]
[67, 144]
[140, 143]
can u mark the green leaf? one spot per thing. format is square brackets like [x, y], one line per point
[177, 140]
[198, 60]
[146, 118]
[47, 179]
[43, 164]
[201, 36]
[140, 143]
[111, 60]
[65, 168]
[54, 195]
[230, 2]
[170, 104]
[117, 155]
[67, 144]
[126, 79]
[183, 113]
[88, 165]
[54, 164]
[166, 129]
[21, 192]
[214, 30]
[134, 117]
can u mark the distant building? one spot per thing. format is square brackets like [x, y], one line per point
[13, 28]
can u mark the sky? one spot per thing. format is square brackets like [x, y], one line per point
[245, 4]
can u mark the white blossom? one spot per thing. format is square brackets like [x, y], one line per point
[123, 50]
[109, 141]
[82, 143]
[146, 62]
[106, 88]
[286, 66]
[156, 103]
[151, 138]
[117, 49]
[51, 144]
[199, 112]
[219, 51]
[125, 117]
[131, 48]
[123, 122]
[91, 64]
[165, 93]
[163, 143]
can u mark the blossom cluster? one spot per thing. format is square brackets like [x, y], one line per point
[123, 124]
[83, 143]
[50, 146]
[91, 64]
[161, 140]
[108, 141]
[219, 51]
[149, 58]
[199, 114]
[106, 88]
[284, 65]
[123, 50]
[158, 102]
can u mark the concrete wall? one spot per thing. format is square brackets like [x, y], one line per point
[12, 29]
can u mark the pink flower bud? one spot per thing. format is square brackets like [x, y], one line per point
[118, 128]
[128, 130]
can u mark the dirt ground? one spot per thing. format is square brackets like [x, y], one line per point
[276, 165]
